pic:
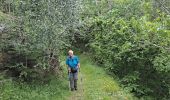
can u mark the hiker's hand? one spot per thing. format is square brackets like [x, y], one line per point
[79, 65]
[69, 70]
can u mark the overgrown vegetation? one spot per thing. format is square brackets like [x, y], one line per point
[56, 88]
[96, 84]
[132, 40]
[34, 33]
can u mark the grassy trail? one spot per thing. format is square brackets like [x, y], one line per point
[95, 84]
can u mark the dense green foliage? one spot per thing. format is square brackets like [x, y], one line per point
[35, 33]
[132, 40]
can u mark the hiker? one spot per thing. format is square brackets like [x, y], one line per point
[73, 64]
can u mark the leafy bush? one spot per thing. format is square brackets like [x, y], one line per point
[36, 32]
[134, 45]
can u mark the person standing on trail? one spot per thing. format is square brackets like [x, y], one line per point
[73, 64]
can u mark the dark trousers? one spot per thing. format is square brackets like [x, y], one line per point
[73, 77]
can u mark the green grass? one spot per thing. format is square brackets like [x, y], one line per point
[95, 85]
[56, 89]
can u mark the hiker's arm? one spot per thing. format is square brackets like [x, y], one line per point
[78, 62]
[68, 68]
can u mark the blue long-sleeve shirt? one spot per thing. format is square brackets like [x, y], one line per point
[72, 62]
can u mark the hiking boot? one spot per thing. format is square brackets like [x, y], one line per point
[75, 84]
[72, 89]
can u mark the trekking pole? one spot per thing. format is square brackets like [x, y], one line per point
[68, 80]
[81, 81]
[80, 75]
